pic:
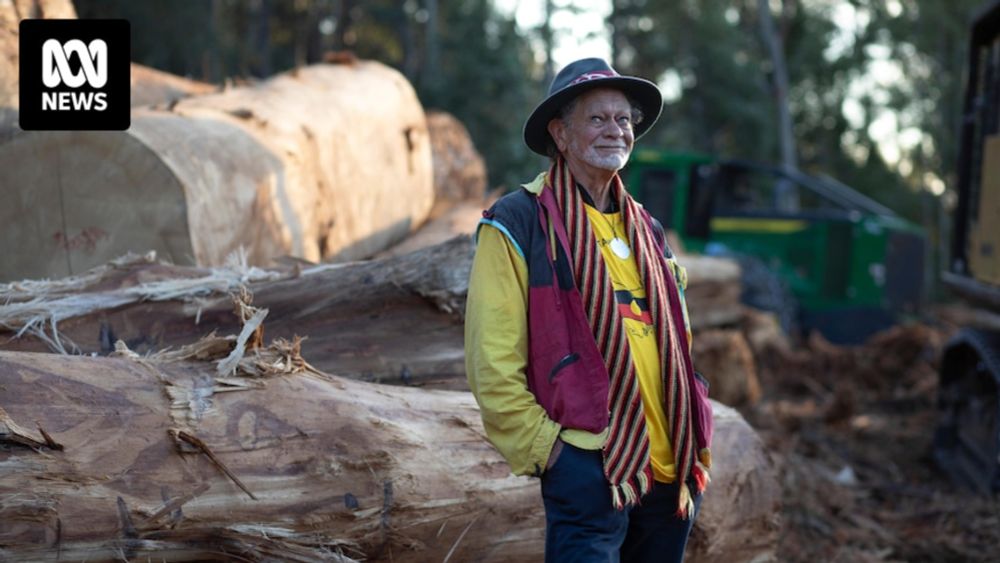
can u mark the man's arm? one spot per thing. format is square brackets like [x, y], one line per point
[496, 355]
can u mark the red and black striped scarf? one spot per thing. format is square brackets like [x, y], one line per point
[626, 452]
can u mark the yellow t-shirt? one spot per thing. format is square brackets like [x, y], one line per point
[634, 309]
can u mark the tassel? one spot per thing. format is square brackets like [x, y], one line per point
[705, 457]
[616, 498]
[701, 477]
[685, 502]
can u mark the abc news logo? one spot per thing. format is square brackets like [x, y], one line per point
[75, 75]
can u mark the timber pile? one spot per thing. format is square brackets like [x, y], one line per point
[358, 316]
[229, 448]
[266, 167]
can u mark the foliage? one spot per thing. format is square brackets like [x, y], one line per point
[713, 51]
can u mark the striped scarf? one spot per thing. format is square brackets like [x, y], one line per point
[626, 452]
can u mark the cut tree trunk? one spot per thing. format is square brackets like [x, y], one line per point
[358, 316]
[124, 458]
[152, 87]
[724, 357]
[326, 162]
[459, 169]
[713, 292]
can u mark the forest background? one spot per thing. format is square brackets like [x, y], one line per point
[874, 87]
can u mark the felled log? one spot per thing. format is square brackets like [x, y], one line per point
[724, 357]
[123, 458]
[459, 169]
[151, 87]
[326, 162]
[358, 317]
[713, 292]
[740, 515]
[461, 218]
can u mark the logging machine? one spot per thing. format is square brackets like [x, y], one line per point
[967, 439]
[814, 251]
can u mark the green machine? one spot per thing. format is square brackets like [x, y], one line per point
[819, 254]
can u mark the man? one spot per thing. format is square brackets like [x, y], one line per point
[577, 344]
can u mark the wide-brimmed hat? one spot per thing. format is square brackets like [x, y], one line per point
[579, 77]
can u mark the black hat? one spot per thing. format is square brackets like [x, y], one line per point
[579, 77]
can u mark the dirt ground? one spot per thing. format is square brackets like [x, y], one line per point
[850, 430]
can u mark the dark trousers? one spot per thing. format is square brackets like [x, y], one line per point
[581, 525]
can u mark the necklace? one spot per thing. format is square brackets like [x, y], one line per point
[618, 246]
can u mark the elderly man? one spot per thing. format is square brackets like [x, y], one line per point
[577, 344]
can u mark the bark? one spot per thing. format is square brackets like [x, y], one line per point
[358, 317]
[326, 162]
[168, 459]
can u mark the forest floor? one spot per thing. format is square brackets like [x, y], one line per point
[850, 430]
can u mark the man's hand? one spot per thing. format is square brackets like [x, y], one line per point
[554, 454]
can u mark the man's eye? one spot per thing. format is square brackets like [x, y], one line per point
[596, 120]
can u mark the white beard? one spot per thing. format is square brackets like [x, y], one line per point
[613, 162]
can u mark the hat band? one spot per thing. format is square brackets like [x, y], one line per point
[594, 76]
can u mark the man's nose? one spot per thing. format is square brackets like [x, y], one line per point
[614, 130]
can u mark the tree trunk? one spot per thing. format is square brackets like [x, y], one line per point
[152, 87]
[459, 169]
[123, 458]
[327, 162]
[787, 197]
[358, 317]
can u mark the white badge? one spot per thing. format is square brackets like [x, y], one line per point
[620, 248]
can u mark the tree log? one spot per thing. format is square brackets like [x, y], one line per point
[326, 162]
[459, 169]
[151, 87]
[725, 358]
[122, 458]
[713, 292]
[357, 316]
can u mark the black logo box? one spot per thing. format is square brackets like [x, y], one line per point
[117, 115]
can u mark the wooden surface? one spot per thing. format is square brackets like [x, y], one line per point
[327, 162]
[336, 468]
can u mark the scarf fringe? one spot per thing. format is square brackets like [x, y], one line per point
[685, 502]
[630, 493]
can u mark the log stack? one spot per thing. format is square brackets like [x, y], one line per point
[188, 456]
[329, 162]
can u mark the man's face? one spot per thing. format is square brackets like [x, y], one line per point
[598, 131]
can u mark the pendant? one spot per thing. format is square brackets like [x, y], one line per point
[620, 249]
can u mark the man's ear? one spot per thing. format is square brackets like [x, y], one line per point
[557, 130]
